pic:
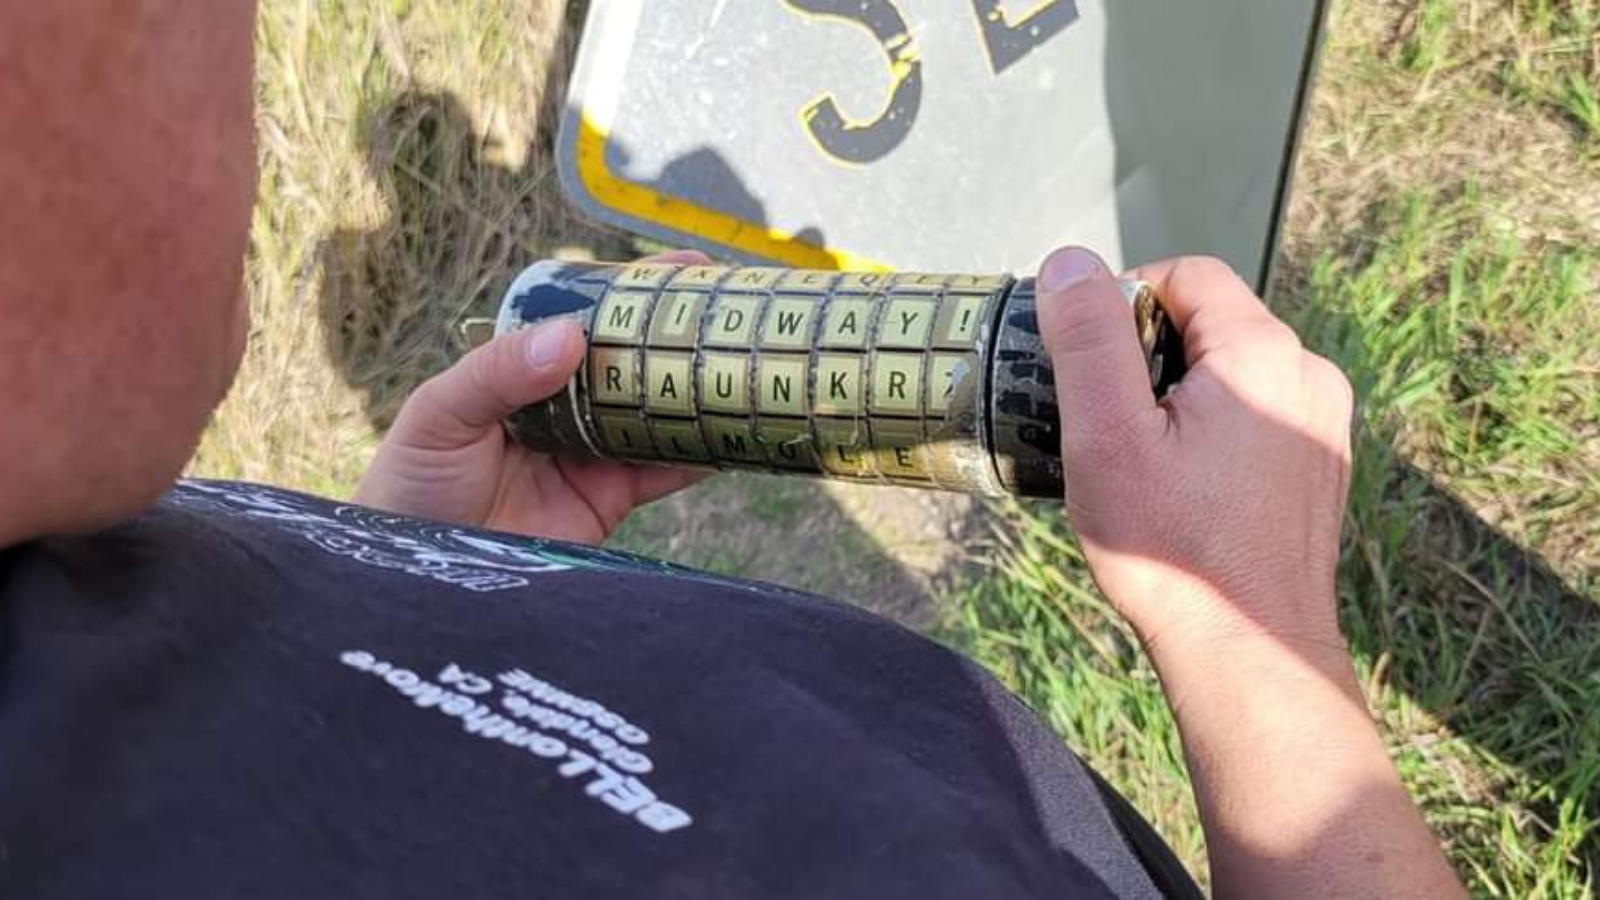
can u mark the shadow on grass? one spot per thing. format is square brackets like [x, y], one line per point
[459, 228]
[461, 224]
[1479, 633]
[1484, 638]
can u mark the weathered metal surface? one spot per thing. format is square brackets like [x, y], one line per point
[921, 379]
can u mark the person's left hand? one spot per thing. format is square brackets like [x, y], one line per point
[448, 458]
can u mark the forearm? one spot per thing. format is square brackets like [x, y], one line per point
[1211, 521]
[1296, 794]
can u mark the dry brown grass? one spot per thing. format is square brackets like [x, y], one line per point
[406, 174]
[1378, 129]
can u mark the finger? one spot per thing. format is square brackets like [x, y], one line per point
[613, 489]
[492, 382]
[1209, 303]
[640, 482]
[651, 483]
[1088, 328]
[682, 257]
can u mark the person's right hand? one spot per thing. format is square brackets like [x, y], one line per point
[1211, 521]
[1213, 514]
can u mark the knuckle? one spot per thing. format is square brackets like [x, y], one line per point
[1211, 265]
[1267, 343]
[1283, 337]
[1190, 272]
[1272, 339]
[1329, 379]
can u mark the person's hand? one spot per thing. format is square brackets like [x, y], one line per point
[448, 457]
[1211, 521]
[1215, 513]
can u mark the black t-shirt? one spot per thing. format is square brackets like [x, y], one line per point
[247, 692]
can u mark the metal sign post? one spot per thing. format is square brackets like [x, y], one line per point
[949, 135]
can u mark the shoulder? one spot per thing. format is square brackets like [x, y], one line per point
[686, 723]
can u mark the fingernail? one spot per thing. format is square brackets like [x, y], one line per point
[546, 344]
[1070, 266]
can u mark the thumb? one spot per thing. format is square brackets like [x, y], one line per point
[1088, 328]
[495, 380]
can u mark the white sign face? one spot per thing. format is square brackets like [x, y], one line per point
[943, 135]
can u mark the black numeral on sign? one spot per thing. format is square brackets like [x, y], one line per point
[868, 140]
[1008, 36]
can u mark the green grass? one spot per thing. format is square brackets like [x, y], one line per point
[1427, 45]
[1475, 364]
[1475, 357]
[1558, 61]
[1549, 51]
[1038, 623]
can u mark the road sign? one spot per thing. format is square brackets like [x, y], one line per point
[948, 135]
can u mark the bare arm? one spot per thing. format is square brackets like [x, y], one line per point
[1296, 793]
[1211, 520]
